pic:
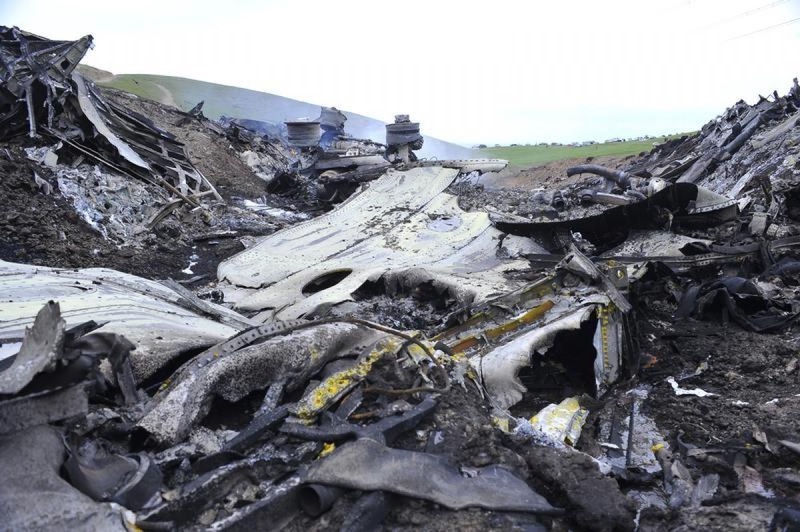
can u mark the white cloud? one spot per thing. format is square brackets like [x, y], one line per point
[503, 71]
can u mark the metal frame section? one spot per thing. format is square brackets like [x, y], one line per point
[37, 77]
[34, 70]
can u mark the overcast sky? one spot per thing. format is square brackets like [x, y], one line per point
[472, 72]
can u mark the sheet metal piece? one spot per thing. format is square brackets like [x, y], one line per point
[647, 244]
[25, 57]
[368, 465]
[385, 204]
[495, 312]
[146, 312]
[401, 225]
[33, 496]
[499, 367]
[297, 355]
[28, 64]
[350, 161]
[41, 408]
[486, 335]
[647, 247]
[333, 118]
[91, 112]
[578, 263]
[502, 335]
[691, 205]
[40, 72]
[40, 349]
[147, 151]
[466, 166]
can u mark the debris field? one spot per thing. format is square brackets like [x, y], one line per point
[239, 325]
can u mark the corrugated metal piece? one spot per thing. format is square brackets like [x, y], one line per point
[466, 166]
[91, 112]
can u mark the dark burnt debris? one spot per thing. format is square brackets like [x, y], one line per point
[239, 325]
[41, 89]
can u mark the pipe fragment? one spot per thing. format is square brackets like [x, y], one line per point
[621, 178]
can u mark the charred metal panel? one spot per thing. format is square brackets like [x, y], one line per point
[33, 70]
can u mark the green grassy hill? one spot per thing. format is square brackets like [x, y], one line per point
[539, 155]
[244, 103]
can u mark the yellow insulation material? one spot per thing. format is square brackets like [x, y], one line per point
[561, 422]
[334, 387]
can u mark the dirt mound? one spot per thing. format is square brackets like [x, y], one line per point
[40, 226]
[549, 175]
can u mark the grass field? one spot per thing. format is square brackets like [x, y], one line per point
[538, 155]
[140, 85]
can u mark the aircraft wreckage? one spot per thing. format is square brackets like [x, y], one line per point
[275, 398]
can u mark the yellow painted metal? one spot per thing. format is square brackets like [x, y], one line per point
[529, 317]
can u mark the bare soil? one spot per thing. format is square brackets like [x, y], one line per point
[548, 175]
[40, 228]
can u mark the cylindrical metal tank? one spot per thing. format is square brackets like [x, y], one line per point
[403, 131]
[303, 133]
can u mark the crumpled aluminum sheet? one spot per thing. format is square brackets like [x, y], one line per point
[499, 367]
[33, 496]
[368, 465]
[401, 223]
[296, 357]
[146, 312]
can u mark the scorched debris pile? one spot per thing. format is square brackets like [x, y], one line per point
[40, 72]
[362, 339]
